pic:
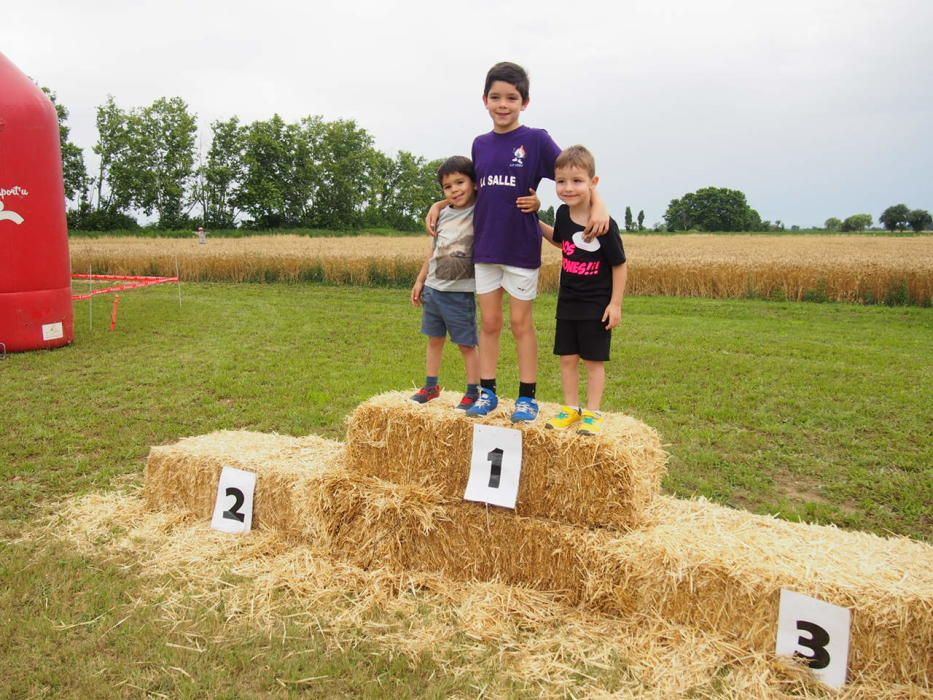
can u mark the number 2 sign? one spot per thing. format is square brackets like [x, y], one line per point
[816, 632]
[233, 509]
[495, 467]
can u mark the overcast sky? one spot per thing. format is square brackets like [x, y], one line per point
[813, 108]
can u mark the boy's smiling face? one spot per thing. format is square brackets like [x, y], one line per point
[504, 104]
[574, 185]
[459, 190]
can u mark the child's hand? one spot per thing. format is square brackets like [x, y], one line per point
[612, 316]
[598, 225]
[528, 204]
[416, 293]
[434, 213]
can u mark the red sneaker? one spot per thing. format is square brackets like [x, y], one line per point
[425, 394]
[467, 402]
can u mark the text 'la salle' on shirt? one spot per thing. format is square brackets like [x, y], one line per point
[586, 268]
[507, 166]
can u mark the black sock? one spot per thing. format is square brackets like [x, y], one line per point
[488, 384]
[472, 390]
[527, 389]
[430, 382]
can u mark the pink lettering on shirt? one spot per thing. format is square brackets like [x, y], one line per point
[575, 267]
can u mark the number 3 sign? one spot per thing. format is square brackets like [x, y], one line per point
[495, 467]
[816, 632]
[233, 509]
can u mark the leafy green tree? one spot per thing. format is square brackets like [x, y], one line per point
[73, 169]
[342, 186]
[547, 215]
[221, 176]
[161, 146]
[114, 166]
[641, 220]
[399, 190]
[276, 189]
[857, 222]
[919, 220]
[628, 218]
[832, 224]
[895, 217]
[712, 209]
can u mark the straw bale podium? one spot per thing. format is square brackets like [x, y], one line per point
[589, 525]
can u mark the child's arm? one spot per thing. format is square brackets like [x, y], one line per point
[598, 225]
[612, 316]
[419, 283]
[548, 232]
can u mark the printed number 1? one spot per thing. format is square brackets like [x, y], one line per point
[495, 473]
[817, 642]
[238, 498]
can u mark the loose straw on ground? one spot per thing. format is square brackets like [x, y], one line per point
[518, 639]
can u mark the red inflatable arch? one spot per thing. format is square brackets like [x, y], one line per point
[35, 269]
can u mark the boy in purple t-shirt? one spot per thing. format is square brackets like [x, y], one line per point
[510, 161]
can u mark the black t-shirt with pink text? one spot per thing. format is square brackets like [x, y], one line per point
[585, 275]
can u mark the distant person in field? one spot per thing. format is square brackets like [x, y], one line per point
[202, 235]
[589, 302]
[510, 162]
[445, 285]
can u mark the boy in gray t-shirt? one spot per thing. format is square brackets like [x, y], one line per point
[445, 284]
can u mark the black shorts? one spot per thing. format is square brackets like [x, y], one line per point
[588, 339]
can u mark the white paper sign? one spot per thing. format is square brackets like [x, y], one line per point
[817, 632]
[53, 331]
[233, 509]
[496, 466]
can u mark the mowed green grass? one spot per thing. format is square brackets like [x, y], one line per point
[813, 411]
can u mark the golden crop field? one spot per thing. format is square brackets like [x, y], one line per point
[860, 269]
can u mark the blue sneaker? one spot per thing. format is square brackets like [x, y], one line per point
[526, 410]
[485, 404]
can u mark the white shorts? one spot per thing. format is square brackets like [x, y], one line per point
[520, 282]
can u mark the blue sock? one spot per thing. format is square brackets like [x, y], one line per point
[472, 390]
[430, 382]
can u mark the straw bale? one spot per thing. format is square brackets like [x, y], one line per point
[722, 570]
[716, 569]
[185, 474]
[595, 481]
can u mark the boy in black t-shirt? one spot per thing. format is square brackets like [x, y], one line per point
[589, 303]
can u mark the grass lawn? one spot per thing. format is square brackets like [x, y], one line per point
[814, 411]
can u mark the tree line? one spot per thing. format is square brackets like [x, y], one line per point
[312, 173]
[266, 174]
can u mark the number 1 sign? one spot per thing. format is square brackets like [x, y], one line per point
[233, 509]
[495, 467]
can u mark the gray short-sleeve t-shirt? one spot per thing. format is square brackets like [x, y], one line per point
[451, 266]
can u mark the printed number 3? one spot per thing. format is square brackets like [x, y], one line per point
[495, 473]
[817, 642]
[234, 512]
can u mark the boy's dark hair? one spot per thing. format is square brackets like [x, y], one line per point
[576, 157]
[510, 73]
[456, 164]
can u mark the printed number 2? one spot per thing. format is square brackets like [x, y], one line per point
[817, 642]
[233, 513]
[495, 473]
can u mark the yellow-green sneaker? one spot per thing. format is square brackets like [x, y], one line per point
[563, 420]
[591, 423]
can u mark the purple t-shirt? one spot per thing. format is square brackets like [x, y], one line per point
[507, 166]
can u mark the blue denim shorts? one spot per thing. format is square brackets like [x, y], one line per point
[449, 312]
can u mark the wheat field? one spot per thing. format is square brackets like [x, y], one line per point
[858, 269]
